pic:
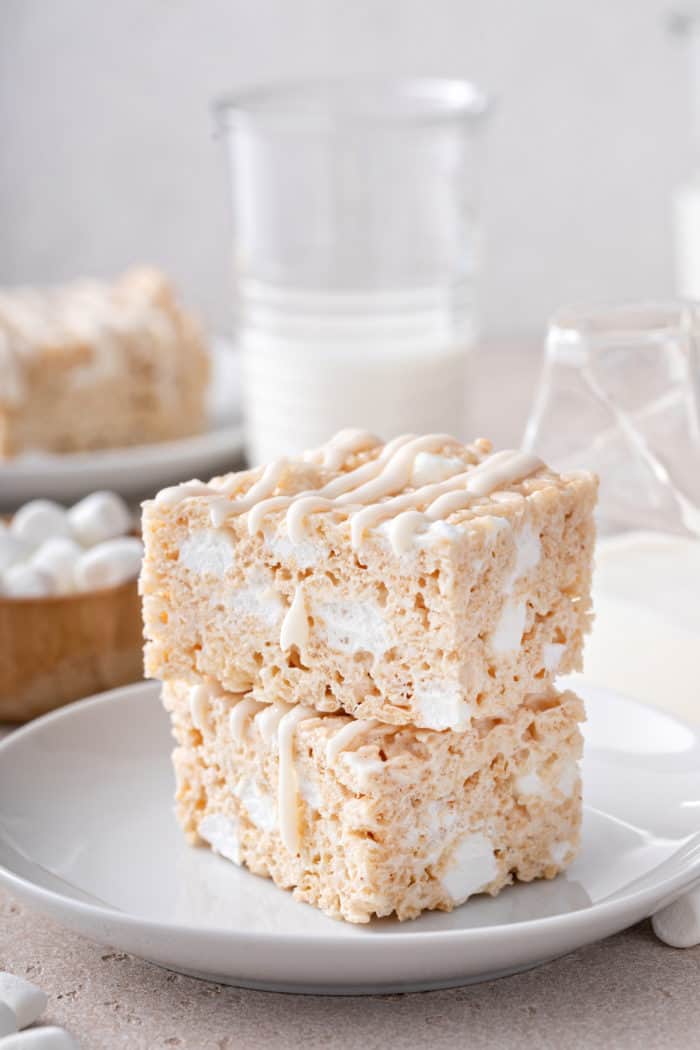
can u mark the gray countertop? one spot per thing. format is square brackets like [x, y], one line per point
[628, 992]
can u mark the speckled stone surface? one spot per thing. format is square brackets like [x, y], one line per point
[626, 993]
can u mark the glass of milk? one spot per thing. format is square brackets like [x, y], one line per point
[620, 394]
[355, 250]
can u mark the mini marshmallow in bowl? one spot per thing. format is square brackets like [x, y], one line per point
[109, 564]
[58, 557]
[24, 581]
[100, 516]
[12, 549]
[39, 520]
[47, 550]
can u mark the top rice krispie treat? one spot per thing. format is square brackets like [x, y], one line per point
[420, 581]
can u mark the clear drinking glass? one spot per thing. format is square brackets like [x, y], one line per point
[620, 395]
[355, 254]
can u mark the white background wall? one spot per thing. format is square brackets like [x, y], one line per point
[106, 152]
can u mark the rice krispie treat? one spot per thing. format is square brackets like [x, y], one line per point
[92, 365]
[421, 581]
[364, 819]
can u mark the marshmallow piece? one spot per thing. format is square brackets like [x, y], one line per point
[100, 516]
[109, 564]
[24, 581]
[678, 924]
[8, 1021]
[39, 519]
[48, 1038]
[12, 549]
[26, 1001]
[58, 558]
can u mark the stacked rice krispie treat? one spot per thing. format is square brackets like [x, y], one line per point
[358, 650]
[92, 365]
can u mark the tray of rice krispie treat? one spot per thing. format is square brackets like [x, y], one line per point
[421, 581]
[109, 383]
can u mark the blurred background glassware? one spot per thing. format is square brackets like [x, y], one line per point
[356, 249]
[619, 394]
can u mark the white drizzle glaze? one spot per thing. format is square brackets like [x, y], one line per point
[354, 479]
[170, 497]
[369, 492]
[444, 497]
[199, 696]
[346, 443]
[396, 471]
[260, 490]
[340, 740]
[240, 714]
[295, 626]
[268, 720]
[296, 515]
[402, 529]
[287, 787]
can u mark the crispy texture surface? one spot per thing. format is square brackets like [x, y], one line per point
[461, 627]
[399, 821]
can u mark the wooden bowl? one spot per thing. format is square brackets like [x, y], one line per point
[57, 649]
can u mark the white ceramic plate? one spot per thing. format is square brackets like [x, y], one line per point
[88, 836]
[138, 470]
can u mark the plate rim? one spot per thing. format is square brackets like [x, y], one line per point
[382, 940]
[66, 463]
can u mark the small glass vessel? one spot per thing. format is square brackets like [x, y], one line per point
[620, 394]
[356, 249]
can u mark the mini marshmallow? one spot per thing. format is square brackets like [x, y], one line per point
[24, 581]
[99, 517]
[678, 924]
[12, 550]
[58, 558]
[109, 564]
[8, 1021]
[48, 1038]
[26, 1001]
[38, 520]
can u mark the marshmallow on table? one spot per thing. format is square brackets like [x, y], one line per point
[109, 563]
[26, 1001]
[24, 581]
[48, 1038]
[39, 520]
[100, 516]
[678, 924]
[8, 1021]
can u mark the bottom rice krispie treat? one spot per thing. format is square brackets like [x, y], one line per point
[361, 818]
